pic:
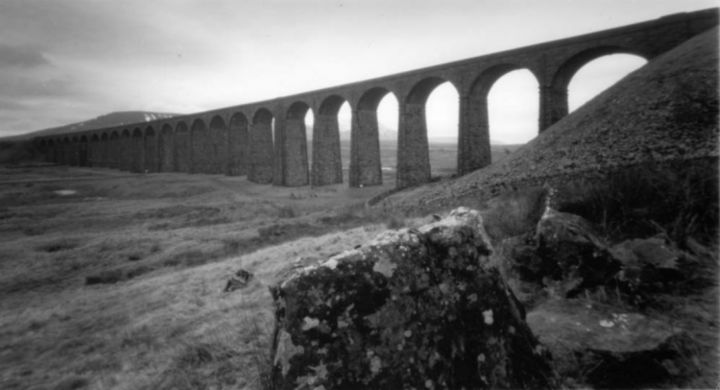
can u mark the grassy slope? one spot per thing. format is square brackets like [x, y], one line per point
[179, 237]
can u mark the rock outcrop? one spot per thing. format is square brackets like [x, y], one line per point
[570, 245]
[413, 309]
[608, 347]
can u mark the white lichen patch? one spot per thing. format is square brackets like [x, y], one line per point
[375, 365]
[606, 323]
[331, 263]
[285, 351]
[539, 349]
[320, 373]
[309, 323]
[385, 266]
[488, 317]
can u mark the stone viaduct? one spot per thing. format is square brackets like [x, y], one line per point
[239, 140]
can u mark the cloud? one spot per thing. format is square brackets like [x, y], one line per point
[19, 56]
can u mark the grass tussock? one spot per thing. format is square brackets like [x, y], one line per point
[62, 244]
[217, 361]
[117, 275]
[677, 199]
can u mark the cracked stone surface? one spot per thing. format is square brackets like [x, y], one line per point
[414, 308]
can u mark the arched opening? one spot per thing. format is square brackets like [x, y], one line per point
[309, 122]
[555, 100]
[388, 113]
[413, 150]
[326, 152]
[218, 145]
[238, 145]
[373, 139]
[262, 154]
[151, 150]
[442, 110]
[293, 147]
[183, 148]
[598, 75]
[201, 148]
[502, 110]
[344, 117]
[137, 163]
[166, 158]
[513, 111]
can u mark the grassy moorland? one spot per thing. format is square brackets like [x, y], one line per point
[114, 280]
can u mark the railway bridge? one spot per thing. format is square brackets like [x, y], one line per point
[267, 140]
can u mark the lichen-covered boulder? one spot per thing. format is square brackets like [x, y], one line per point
[413, 309]
[580, 258]
[607, 347]
[648, 263]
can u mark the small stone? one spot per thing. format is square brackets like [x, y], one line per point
[606, 324]
[309, 323]
[375, 365]
[488, 317]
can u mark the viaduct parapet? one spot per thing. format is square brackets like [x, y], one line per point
[267, 140]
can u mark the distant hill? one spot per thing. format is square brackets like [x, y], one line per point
[384, 133]
[107, 120]
[388, 134]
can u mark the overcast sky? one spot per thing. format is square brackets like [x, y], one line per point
[64, 61]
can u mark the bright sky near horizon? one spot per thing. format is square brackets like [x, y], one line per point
[68, 61]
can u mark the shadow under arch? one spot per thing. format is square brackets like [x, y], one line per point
[262, 155]
[202, 160]
[126, 150]
[291, 147]
[327, 157]
[218, 145]
[82, 157]
[93, 151]
[183, 148]
[151, 150]
[365, 157]
[166, 148]
[238, 145]
[137, 152]
[114, 149]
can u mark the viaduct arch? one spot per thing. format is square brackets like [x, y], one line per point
[267, 140]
